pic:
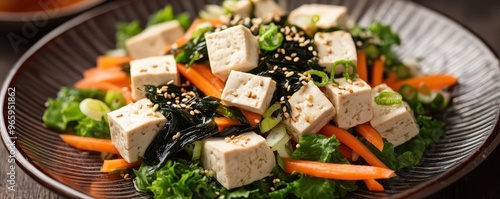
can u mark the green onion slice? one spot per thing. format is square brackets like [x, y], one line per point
[408, 92]
[114, 100]
[94, 109]
[347, 64]
[278, 137]
[269, 123]
[388, 98]
[269, 112]
[270, 39]
[323, 75]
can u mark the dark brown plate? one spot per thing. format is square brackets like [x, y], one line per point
[59, 59]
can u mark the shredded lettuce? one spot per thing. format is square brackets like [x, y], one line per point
[125, 31]
[317, 147]
[64, 111]
[88, 127]
[167, 14]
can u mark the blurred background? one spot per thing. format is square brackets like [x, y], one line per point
[480, 16]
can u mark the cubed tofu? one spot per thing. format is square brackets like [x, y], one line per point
[133, 127]
[311, 110]
[267, 9]
[234, 48]
[238, 161]
[334, 46]
[153, 40]
[248, 91]
[242, 8]
[396, 122]
[329, 16]
[352, 101]
[158, 70]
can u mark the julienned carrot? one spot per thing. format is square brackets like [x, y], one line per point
[352, 142]
[118, 164]
[433, 82]
[195, 77]
[224, 122]
[337, 171]
[189, 32]
[200, 81]
[111, 61]
[373, 185]
[346, 151]
[362, 68]
[391, 78]
[89, 143]
[378, 72]
[113, 75]
[371, 134]
[206, 72]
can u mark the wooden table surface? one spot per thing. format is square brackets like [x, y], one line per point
[481, 16]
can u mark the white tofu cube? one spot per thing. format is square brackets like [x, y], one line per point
[334, 46]
[234, 48]
[133, 127]
[352, 102]
[311, 110]
[396, 122]
[248, 91]
[267, 9]
[238, 161]
[153, 40]
[158, 70]
[329, 16]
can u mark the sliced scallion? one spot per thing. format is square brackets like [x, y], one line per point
[94, 109]
[270, 39]
[388, 98]
[273, 108]
[347, 64]
[322, 75]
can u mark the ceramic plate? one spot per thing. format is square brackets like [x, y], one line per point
[60, 57]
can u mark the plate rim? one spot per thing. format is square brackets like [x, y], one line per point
[440, 181]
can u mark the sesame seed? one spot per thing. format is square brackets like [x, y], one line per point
[254, 96]
[289, 74]
[293, 54]
[296, 59]
[284, 108]
[249, 95]
[284, 69]
[351, 91]
[315, 53]
[261, 82]
[143, 70]
[272, 189]
[256, 120]
[234, 94]
[297, 107]
[275, 67]
[329, 51]
[301, 39]
[294, 29]
[170, 82]
[173, 95]
[288, 38]
[288, 58]
[184, 99]
[149, 114]
[227, 139]
[191, 112]
[297, 146]
[309, 98]
[197, 111]
[126, 176]
[119, 115]
[310, 48]
[276, 55]
[309, 104]
[287, 115]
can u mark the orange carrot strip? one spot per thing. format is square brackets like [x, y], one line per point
[205, 71]
[391, 78]
[373, 185]
[371, 134]
[200, 81]
[362, 68]
[195, 77]
[104, 62]
[353, 143]
[118, 164]
[89, 143]
[337, 171]
[378, 72]
[189, 32]
[224, 122]
[433, 82]
[346, 151]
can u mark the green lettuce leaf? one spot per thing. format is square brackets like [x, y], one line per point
[88, 127]
[317, 147]
[167, 14]
[125, 31]
[311, 188]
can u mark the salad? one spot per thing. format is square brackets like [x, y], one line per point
[248, 101]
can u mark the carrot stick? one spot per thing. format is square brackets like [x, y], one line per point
[371, 134]
[433, 82]
[89, 143]
[378, 72]
[346, 151]
[353, 143]
[111, 61]
[200, 81]
[206, 72]
[391, 78]
[373, 185]
[337, 171]
[189, 32]
[362, 69]
[195, 77]
[224, 122]
[118, 164]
